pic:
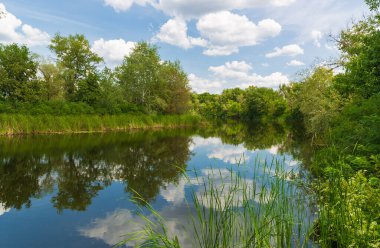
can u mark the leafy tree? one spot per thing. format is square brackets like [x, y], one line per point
[111, 96]
[52, 81]
[18, 70]
[373, 4]
[174, 87]
[260, 102]
[89, 90]
[360, 47]
[139, 76]
[75, 58]
[318, 100]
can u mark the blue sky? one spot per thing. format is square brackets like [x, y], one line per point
[220, 43]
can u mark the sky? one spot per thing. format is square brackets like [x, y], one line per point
[220, 43]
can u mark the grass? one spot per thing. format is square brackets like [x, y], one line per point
[349, 213]
[266, 210]
[13, 124]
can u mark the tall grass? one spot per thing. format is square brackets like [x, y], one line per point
[266, 210]
[349, 211]
[32, 124]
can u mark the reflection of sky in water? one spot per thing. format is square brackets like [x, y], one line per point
[211, 159]
[111, 215]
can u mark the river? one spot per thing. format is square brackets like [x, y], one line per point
[76, 190]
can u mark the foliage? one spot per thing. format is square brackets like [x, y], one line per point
[373, 4]
[18, 70]
[76, 60]
[251, 104]
[231, 211]
[37, 124]
[139, 76]
[52, 81]
[360, 46]
[349, 211]
[174, 88]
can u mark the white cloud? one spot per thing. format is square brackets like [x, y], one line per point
[226, 32]
[12, 30]
[196, 8]
[201, 85]
[222, 33]
[230, 154]
[113, 228]
[174, 32]
[113, 51]
[288, 50]
[239, 74]
[295, 63]
[175, 192]
[3, 210]
[124, 5]
[327, 16]
[316, 35]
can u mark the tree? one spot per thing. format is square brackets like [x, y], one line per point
[52, 81]
[139, 76]
[319, 102]
[360, 47]
[88, 90]
[260, 102]
[174, 88]
[110, 93]
[373, 4]
[18, 70]
[76, 58]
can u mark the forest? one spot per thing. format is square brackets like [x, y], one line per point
[337, 106]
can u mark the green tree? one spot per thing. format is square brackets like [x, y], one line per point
[89, 90]
[174, 87]
[76, 58]
[360, 47]
[52, 81]
[139, 76]
[373, 4]
[18, 70]
[319, 102]
[261, 102]
[111, 96]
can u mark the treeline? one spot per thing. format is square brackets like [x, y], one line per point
[74, 84]
[341, 115]
[251, 104]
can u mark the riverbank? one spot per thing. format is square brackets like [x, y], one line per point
[16, 124]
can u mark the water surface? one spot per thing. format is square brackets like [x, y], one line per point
[75, 190]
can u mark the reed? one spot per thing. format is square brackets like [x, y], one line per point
[34, 124]
[266, 210]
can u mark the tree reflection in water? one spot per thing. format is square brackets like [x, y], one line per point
[82, 165]
[74, 168]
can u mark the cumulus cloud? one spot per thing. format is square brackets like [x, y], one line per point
[317, 37]
[113, 51]
[295, 63]
[226, 32]
[230, 154]
[239, 74]
[222, 33]
[288, 50]
[12, 30]
[201, 85]
[174, 32]
[124, 5]
[195, 8]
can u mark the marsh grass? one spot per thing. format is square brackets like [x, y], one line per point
[233, 210]
[12, 124]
